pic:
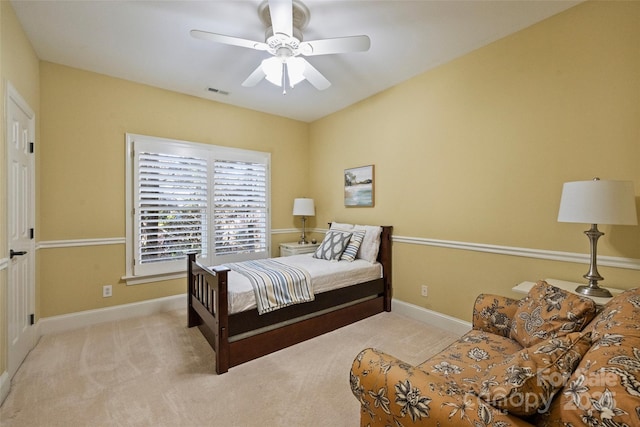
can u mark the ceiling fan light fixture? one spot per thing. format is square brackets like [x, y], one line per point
[295, 70]
[274, 68]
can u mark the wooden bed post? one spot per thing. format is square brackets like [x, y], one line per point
[385, 257]
[222, 322]
[192, 317]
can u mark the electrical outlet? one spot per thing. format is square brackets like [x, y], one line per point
[107, 291]
[424, 290]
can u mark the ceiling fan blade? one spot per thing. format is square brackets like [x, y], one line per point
[233, 41]
[255, 77]
[281, 16]
[336, 45]
[315, 77]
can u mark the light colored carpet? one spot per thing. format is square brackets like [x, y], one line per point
[154, 371]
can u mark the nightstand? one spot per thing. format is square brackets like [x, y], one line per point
[295, 248]
[524, 287]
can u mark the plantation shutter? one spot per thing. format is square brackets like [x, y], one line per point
[187, 197]
[171, 211]
[240, 214]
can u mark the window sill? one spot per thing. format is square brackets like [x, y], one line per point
[138, 280]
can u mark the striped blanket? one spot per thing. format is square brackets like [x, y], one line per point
[275, 284]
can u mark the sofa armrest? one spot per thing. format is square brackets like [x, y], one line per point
[392, 392]
[494, 313]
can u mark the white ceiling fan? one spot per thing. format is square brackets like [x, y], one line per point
[285, 20]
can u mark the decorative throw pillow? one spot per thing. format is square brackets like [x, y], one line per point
[619, 318]
[604, 389]
[549, 312]
[351, 250]
[527, 381]
[332, 245]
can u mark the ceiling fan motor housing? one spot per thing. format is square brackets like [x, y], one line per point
[276, 42]
[301, 17]
[281, 45]
[296, 39]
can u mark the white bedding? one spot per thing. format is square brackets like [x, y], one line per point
[325, 276]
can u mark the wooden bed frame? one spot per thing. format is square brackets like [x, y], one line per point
[240, 337]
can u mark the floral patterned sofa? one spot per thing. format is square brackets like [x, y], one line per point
[550, 359]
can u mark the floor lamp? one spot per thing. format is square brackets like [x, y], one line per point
[303, 207]
[597, 202]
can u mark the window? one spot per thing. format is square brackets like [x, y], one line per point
[239, 207]
[186, 197]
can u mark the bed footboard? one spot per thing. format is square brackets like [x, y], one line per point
[207, 307]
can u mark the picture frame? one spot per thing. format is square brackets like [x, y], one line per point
[359, 186]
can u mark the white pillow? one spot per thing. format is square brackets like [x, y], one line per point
[371, 242]
[341, 227]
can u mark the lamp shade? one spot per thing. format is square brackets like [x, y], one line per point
[598, 202]
[304, 207]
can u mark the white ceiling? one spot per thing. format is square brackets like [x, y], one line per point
[149, 42]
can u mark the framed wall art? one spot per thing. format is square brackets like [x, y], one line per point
[359, 186]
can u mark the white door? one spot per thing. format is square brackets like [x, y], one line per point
[20, 129]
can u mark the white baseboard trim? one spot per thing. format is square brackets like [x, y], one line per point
[430, 317]
[68, 322]
[5, 386]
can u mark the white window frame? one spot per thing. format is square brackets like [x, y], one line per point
[176, 269]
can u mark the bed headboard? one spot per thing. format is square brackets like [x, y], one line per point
[385, 258]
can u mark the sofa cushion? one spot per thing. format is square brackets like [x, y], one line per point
[469, 357]
[618, 318]
[494, 313]
[525, 382]
[605, 388]
[394, 393]
[549, 312]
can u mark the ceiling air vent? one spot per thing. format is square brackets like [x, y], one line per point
[218, 91]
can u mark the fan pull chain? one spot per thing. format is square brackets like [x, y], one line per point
[284, 78]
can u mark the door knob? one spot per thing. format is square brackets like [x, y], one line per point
[13, 253]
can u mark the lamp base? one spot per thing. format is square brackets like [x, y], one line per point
[303, 237]
[593, 291]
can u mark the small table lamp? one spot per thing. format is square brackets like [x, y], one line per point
[304, 208]
[597, 202]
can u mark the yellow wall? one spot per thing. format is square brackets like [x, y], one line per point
[477, 151]
[473, 151]
[18, 65]
[84, 120]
